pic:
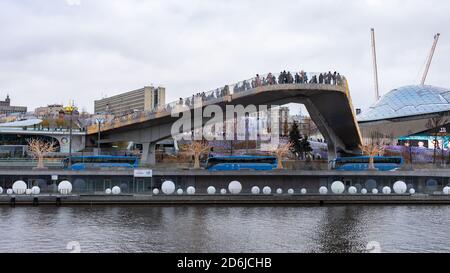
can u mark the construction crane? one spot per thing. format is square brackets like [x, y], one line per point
[430, 57]
[375, 68]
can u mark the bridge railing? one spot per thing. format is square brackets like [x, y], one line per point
[285, 77]
[258, 81]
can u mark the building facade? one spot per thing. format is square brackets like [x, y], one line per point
[52, 110]
[7, 109]
[144, 99]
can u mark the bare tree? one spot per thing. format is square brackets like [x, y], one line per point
[280, 152]
[197, 148]
[406, 153]
[374, 145]
[40, 149]
[434, 124]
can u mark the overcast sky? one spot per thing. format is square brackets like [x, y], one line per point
[52, 51]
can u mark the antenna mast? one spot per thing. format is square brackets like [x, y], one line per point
[430, 57]
[375, 68]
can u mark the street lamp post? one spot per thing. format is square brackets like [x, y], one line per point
[99, 122]
[70, 138]
[247, 138]
[443, 132]
[408, 145]
[69, 109]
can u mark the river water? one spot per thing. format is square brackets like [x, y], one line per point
[225, 229]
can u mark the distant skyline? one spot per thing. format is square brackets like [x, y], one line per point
[55, 51]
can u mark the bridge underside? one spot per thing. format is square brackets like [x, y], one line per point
[328, 105]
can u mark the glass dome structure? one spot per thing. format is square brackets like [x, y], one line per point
[411, 100]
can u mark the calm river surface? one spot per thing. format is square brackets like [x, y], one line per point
[225, 229]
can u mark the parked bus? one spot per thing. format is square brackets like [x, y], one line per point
[236, 163]
[80, 163]
[361, 163]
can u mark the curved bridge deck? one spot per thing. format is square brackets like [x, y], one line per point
[329, 106]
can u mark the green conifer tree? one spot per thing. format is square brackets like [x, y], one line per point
[295, 139]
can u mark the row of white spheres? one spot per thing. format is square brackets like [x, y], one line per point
[33, 191]
[20, 187]
[267, 190]
[338, 187]
[168, 188]
[115, 190]
[235, 187]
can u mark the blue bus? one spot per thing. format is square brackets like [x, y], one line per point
[80, 163]
[361, 163]
[244, 162]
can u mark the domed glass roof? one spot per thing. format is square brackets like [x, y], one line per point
[409, 100]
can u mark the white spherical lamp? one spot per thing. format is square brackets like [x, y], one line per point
[1, 190]
[279, 191]
[412, 191]
[374, 191]
[267, 190]
[211, 190]
[303, 191]
[223, 191]
[235, 187]
[337, 187]
[19, 187]
[35, 190]
[352, 190]
[363, 191]
[168, 187]
[155, 191]
[190, 190]
[65, 187]
[386, 190]
[108, 191]
[116, 190]
[291, 191]
[400, 187]
[446, 190]
[180, 191]
[323, 190]
[256, 190]
[9, 191]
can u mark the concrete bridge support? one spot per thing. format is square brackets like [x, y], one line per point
[148, 153]
[331, 139]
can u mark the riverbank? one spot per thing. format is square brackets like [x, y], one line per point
[89, 187]
[243, 199]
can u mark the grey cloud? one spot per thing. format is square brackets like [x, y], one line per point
[55, 52]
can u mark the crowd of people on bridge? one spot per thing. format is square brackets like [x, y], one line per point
[204, 96]
[288, 78]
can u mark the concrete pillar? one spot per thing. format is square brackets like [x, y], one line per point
[325, 130]
[149, 153]
[83, 142]
[331, 153]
